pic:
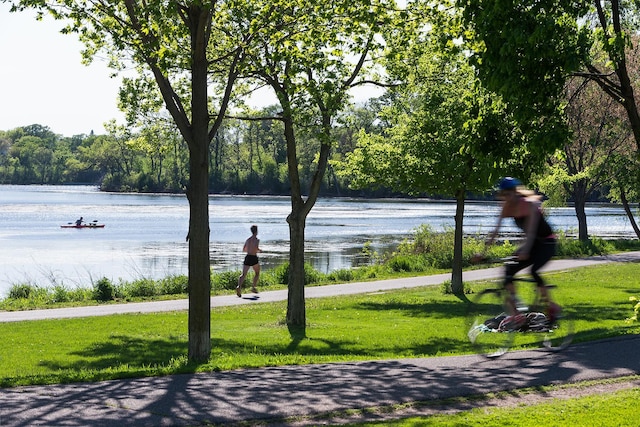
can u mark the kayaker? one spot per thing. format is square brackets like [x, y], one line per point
[79, 222]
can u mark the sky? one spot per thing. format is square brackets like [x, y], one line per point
[43, 81]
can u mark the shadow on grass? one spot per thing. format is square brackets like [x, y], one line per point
[123, 357]
[437, 308]
[298, 333]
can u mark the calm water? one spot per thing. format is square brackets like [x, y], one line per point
[145, 234]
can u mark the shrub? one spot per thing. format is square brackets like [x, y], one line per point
[79, 294]
[407, 263]
[568, 247]
[225, 280]
[174, 285]
[266, 279]
[369, 255]
[23, 290]
[142, 288]
[103, 290]
[311, 275]
[342, 275]
[281, 274]
[60, 293]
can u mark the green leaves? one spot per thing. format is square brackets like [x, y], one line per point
[447, 134]
[527, 49]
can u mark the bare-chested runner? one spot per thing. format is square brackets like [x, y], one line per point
[251, 247]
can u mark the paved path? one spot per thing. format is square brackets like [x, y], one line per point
[272, 395]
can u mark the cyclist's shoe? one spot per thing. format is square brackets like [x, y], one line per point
[513, 323]
[554, 312]
[520, 306]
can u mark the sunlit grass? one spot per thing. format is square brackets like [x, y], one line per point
[421, 322]
[602, 410]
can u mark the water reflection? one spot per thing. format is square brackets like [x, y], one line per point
[145, 234]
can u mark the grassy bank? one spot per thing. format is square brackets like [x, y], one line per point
[427, 252]
[421, 322]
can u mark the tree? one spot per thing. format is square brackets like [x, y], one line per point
[184, 47]
[310, 61]
[524, 51]
[582, 167]
[549, 40]
[442, 122]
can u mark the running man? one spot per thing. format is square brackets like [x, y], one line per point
[251, 247]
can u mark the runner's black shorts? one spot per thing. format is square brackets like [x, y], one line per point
[251, 260]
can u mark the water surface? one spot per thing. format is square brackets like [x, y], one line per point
[145, 234]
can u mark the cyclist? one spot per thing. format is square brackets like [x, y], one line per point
[539, 245]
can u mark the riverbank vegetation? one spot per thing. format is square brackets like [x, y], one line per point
[426, 252]
[416, 322]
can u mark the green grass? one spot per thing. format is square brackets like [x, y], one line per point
[420, 322]
[604, 410]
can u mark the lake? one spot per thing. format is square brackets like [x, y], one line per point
[144, 234]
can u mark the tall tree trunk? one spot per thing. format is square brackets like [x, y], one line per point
[580, 195]
[296, 310]
[583, 234]
[457, 287]
[199, 270]
[198, 195]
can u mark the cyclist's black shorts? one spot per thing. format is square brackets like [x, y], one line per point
[541, 252]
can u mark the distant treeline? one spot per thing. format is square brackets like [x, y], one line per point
[246, 157]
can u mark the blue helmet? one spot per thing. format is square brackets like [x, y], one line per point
[509, 183]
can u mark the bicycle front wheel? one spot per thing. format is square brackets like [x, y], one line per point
[484, 316]
[560, 333]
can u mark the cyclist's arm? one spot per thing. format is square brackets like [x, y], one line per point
[492, 236]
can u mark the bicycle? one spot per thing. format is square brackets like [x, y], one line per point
[492, 332]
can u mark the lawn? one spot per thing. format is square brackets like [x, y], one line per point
[604, 410]
[421, 322]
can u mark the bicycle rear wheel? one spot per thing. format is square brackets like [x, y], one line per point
[483, 319]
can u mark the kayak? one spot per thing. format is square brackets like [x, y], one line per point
[83, 226]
